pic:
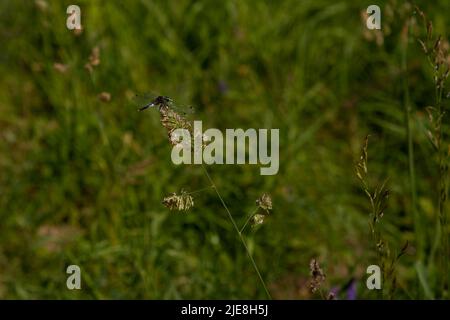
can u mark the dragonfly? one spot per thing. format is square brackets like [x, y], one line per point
[149, 100]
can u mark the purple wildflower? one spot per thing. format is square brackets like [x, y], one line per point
[351, 292]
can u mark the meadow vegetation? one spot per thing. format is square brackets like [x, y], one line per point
[85, 179]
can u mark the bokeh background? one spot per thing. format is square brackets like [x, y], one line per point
[82, 174]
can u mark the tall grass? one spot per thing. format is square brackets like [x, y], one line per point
[83, 174]
[173, 121]
[239, 233]
[436, 51]
[378, 197]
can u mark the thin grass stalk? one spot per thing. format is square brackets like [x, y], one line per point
[248, 220]
[236, 228]
[438, 58]
[442, 185]
[419, 234]
[442, 198]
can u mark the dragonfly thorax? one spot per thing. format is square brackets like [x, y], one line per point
[162, 101]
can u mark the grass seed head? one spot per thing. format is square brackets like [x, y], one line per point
[172, 121]
[265, 202]
[317, 276]
[179, 202]
[104, 96]
[258, 219]
[94, 59]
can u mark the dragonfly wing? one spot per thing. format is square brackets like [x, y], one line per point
[183, 109]
[143, 99]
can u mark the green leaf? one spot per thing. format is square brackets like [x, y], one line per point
[421, 273]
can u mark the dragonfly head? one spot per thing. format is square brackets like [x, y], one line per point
[162, 100]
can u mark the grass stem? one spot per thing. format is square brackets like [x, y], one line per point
[409, 136]
[233, 222]
[248, 220]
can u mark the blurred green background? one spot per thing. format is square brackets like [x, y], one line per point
[82, 174]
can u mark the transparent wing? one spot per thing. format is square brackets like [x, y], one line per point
[183, 109]
[143, 99]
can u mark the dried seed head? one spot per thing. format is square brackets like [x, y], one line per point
[361, 166]
[317, 276]
[436, 48]
[331, 296]
[42, 5]
[104, 96]
[181, 202]
[172, 121]
[61, 68]
[265, 202]
[258, 219]
[94, 59]
[424, 47]
[429, 29]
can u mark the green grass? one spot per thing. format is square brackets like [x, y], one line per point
[81, 180]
